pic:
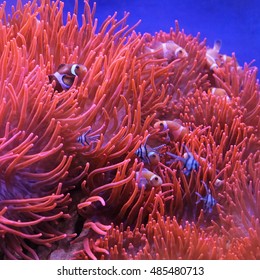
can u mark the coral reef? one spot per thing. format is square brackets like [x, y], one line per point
[77, 180]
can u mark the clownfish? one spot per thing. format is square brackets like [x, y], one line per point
[173, 128]
[212, 55]
[189, 162]
[168, 50]
[148, 179]
[219, 92]
[208, 200]
[65, 75]
[215, 59]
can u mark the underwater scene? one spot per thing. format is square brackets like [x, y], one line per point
[123, 139]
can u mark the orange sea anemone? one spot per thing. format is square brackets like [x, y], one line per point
[68, 164]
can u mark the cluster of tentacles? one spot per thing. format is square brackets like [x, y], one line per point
[60, 199]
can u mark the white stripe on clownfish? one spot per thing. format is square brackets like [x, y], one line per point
[73, 68]
[60, 77]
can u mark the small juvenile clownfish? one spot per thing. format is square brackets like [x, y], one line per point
[148, 179]
[173, 128]
[208, 200]
[212, 55]
[85, 139]
[147, 154]
[219, 92]
[65, 75]
[215, 59]
[189, 162]
[168, 50]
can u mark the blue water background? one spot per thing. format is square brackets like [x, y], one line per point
[236, 23]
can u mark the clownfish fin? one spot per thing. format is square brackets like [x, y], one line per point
[178, 121]
[61, 66]
[217, 45]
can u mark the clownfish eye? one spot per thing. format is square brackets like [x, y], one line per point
[155, 181]
[180, 52]
[77, 67]
[163, 126]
